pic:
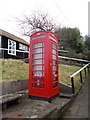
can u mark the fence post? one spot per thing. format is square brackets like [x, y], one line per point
[81, 77]
[72, 81]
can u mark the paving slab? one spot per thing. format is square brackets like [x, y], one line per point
[29, 108]
[79, 108]
[9, 97]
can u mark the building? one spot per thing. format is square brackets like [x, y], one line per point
[89, 18]
[12, 46]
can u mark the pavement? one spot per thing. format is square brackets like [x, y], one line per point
[79, 107]
[29, 108]
[74, 107]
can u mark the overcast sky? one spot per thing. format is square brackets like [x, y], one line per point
[69, 13]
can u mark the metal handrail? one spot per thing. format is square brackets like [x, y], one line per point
[79, 71]
[75, 59]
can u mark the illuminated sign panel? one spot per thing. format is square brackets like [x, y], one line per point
[40, 36]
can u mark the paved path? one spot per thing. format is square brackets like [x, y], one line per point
[79, 107]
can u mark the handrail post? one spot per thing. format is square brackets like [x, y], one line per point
[72, 81]
[85, 72]
[81, 77]
[88, 69]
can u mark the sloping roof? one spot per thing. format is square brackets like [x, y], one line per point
[9, 35]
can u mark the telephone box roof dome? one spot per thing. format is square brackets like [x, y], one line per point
[43, 32]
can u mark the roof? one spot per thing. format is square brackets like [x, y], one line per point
[9, 35]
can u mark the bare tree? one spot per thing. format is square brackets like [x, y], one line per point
[36, 21]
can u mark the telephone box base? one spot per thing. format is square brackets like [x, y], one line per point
[49, 99]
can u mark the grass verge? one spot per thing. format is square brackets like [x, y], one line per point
[14, 70]
[18, 70]
[65, 71]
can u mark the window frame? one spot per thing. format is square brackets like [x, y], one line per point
[0, 41]
[11, 47]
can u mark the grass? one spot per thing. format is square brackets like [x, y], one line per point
[14, 70]
[18, 70]
[65, 71]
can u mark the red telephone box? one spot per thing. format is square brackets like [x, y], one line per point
[43, 66]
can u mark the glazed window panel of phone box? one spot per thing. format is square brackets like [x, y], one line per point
[54, 73]
[37, 73]
[36, 56]
[52, 38]
[54, 62]
[38, 61]
[54, 46]
[36, 45]
[39, 50]
[54, 67]
[38, 79]
[53, 51]
[38, 67]
[53, 56]
[0, 41]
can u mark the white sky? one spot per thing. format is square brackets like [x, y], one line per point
[69, 13]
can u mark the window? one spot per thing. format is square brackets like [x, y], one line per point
[38, 79]
[54, 67]
[0, 41]
[38, 61]
[11, 47]
[54, 46]
[54, 73]
[37, 73]
[54, 62]
[36, 45]
[53, 56]
[39, 50]
[52, 38]
[23, 47]
[0, 47]
[38, 67]
[38, 85]
[53, 51]
[36, 56]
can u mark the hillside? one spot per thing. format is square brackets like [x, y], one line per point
[14, 70]
[18, 70]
